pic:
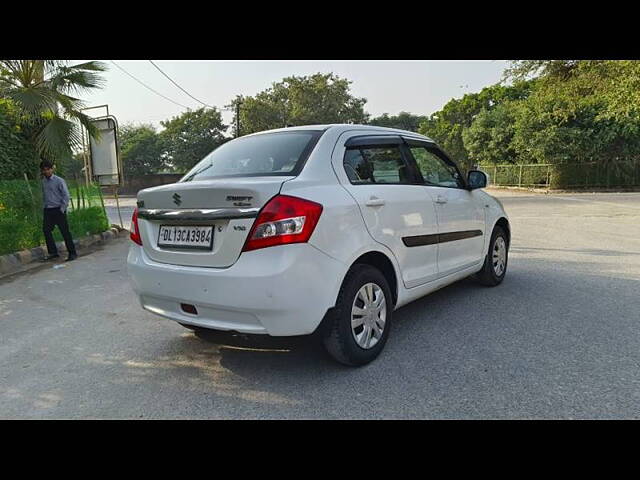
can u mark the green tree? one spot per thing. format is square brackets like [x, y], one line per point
[490, 136]
[189, 137]
[448, 125]
[403, 121]
[586, 110]
[616, 83]
[553, 127]
[524, 69]
[580, 111]
[42, 92]
[316, 99]
[620, 87]
[71, 167]
[17, 154]
[141, 149]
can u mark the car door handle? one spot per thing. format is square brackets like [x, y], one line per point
[374, 202]
[441, 200]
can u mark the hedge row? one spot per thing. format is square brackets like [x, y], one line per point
[567, 175]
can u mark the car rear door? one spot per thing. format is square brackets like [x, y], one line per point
[460, 213]
[376, 171]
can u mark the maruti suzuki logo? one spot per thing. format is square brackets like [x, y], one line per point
[176, 199]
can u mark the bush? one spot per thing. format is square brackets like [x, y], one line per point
[607, 174]
[21, 215]
[17, 154]
[85, 222]
[19, 232]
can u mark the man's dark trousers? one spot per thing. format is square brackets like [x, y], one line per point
[53, 217]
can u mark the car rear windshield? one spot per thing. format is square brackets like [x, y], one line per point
[278, 153]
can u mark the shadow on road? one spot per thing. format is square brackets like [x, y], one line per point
[248, 356]
[469, 351]
[557, 339]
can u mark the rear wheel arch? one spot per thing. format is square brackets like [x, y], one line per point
[381, 262]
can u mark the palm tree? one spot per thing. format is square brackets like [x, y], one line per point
[42, 91]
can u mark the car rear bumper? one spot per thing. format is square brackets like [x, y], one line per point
[280, 291]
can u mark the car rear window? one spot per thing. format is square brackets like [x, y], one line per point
[279, 153]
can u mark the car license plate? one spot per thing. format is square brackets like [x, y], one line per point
[192, 236]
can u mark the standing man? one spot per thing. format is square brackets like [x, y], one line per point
[55, 196]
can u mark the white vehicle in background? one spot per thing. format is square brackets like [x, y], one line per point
[324, 228]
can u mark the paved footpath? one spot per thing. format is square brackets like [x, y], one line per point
[560, 338]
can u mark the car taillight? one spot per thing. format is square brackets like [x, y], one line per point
[135, 231]
[284, 219]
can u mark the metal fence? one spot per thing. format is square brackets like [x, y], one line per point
[610, 174]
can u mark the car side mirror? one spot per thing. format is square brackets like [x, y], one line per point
[477, 179]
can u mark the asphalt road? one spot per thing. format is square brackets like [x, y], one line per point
[560, 338]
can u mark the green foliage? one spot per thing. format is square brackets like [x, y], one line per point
[447, 126]
[559, 112]
[576, 117]
[17, 155]
[19, 233]
[620, 88]
[70, 167]
[316, 99]
[523, 69]
[141, 149]
[85, 222]
[188, 138]
[612, 174]
[21, 214]
[449, 136]
[616, 173]
[489, 137]
[43, 92]
[403, 121]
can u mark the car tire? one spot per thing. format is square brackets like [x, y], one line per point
[356, 339]
[495, 263]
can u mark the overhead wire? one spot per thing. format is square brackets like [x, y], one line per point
[176, 84]
[147, 86]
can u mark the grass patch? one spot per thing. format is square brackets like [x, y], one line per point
[21, 214]
[85, 222]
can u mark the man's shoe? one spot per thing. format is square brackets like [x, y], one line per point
[50, 257]
[71, 257]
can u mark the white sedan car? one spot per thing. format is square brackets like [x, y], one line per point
[322, 229]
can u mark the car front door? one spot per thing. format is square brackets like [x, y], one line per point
[377, 172]
[460, 212]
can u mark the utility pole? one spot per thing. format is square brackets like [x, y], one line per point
[238, 103]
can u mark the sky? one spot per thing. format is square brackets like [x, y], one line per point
[420, 87]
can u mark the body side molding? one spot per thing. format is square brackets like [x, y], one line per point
[420, 240]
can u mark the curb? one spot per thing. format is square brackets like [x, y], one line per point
[565, 190]
[520, 189]
[15, 262]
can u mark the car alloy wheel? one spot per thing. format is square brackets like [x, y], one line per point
[499, 258]
[368, 315]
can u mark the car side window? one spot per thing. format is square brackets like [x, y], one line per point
[434, 169]
[376, 165]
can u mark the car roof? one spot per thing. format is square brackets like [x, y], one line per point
[343, 127]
